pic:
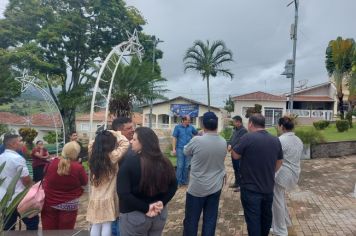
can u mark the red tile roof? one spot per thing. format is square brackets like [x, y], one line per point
[309, 98]
[40, 119]
[259, 96]
[99, 116]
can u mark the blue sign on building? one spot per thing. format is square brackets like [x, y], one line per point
[185, 109]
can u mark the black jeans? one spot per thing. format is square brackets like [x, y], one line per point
[236, 166]
[31, 223]
[257, 211]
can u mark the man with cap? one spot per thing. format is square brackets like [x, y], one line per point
[206, 177]
[182, 134]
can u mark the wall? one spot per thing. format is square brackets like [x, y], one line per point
[240, 104]
[333, 149]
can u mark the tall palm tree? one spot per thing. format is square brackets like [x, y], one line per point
[338, 64]
[208, 60]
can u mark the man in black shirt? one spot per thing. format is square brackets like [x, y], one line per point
[260, 156]
[239, 131]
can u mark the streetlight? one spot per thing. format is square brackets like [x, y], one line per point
[290, 64]
[155, 42]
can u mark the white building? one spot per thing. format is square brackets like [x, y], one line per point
[165, 116]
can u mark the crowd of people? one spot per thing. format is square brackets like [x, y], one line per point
[131, 181]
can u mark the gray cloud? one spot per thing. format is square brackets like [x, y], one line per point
[256, 31]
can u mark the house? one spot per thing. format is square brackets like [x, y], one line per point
[82, 122]
[167, 114]
[43, 123]
[317, 102]
[273, 106]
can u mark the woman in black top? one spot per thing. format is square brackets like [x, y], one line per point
[146, 183]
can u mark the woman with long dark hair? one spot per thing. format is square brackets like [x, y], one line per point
[104, 155]
[146, 183]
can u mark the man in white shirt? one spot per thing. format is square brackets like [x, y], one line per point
[14, 163]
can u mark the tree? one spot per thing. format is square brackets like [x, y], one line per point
[59, 40]
[9, 88]
[133, 84]
[208, 60]
[229, 105]
[338, 64]
[257, 109]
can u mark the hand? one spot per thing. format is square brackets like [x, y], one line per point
[174, 152]
[151, 211]
[229, 148]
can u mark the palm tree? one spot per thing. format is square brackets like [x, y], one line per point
[208, 60]
[135, 83]
[338, 64]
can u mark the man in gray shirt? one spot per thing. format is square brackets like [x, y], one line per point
[206, 177]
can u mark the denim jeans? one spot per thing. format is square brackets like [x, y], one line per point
[236, 166]
[115, 227]
[257, 211]
[193, 207]
[183, 163]
[31, 223]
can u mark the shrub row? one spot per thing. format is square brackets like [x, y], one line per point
[342, 125]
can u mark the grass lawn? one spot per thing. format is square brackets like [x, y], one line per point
[330, 134]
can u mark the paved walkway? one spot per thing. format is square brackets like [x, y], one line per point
[322, 204]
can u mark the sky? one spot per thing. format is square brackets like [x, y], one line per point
[258, 34]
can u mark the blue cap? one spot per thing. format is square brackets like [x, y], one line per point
[209, 116]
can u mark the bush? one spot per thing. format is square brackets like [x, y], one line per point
[50, 137]
[309, 135]
[342, 125]
[28, 135]
[226, 133]
[349, 118]
[321, 124]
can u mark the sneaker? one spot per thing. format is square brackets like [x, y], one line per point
[237, 189]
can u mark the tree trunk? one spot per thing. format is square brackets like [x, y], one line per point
[207, 83]
[69, 122]
[341, 105]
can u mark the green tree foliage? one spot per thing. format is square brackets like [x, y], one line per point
[28, 135]
[59, 40]
[135, 83]
[338, 64]
[208, 59]
[50, 137]
[342, 125]
[229, 105]
[3, 130]
[9, 88]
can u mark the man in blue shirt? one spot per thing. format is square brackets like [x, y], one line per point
[182, 134]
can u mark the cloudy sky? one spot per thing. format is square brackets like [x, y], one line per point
[258, 34]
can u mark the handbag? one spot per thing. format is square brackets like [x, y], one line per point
[33, 201]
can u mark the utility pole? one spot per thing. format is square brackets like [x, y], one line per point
[294, 31]
[155, 42]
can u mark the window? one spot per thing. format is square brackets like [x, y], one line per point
[272, 115]
[84, 127]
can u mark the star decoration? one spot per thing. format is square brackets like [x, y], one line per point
[25, 80]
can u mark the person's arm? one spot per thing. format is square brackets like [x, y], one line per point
[188, 149]
[171, 192]
[83, 177]
[25, 175]
[238, 150]
[279, 161]
[124, 186]
[121, 149]
[235, 155]
[278, 164]
[26, 181]
[174, 140]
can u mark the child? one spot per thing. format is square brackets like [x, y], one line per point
[104, 154]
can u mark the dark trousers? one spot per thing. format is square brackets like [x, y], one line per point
[193, 207]
[257, 211]
[38, 173]
[236, 167]
[54, 219]
[31, 223]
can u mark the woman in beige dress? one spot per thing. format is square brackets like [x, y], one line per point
[105, 153]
